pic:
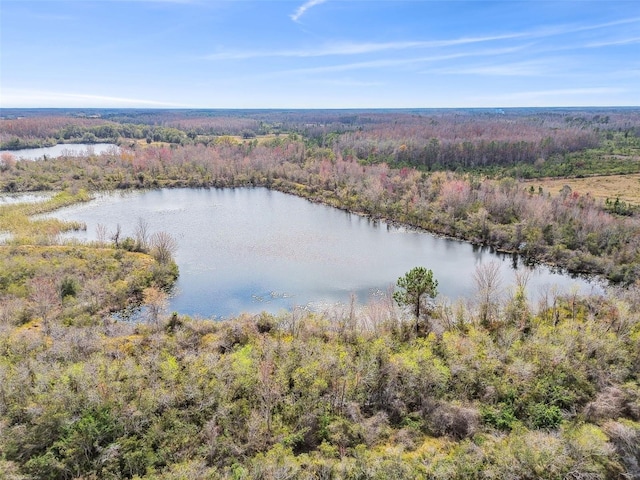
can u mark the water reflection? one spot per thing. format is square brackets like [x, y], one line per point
[248, 250]
[13, 198]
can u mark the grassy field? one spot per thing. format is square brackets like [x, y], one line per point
[626, 187]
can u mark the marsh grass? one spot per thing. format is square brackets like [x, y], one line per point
[36, 270]
[17, 218]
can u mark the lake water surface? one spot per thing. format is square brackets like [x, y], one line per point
[35, 197]
[252, 249]
[70, 149]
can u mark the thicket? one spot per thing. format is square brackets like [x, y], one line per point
[547, 390]
[30, 133]
[571, 230]
[518, 143]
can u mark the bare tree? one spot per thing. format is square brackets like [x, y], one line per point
[163, 246]
[101, 234]
[8, 308]
[156, 302]
[548, 303]
[488, 281]
[116, 235]
[142, 235]
[93, 295]
[46, 299]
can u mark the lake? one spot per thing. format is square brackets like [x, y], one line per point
[252, 249]
[35, 197]
[68, 149]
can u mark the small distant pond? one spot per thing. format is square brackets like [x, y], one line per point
[35, 197]
[252, 249]
[72, 149]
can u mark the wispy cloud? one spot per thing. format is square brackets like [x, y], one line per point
[610, 43]
[533, 68]
[349, 82]
[560, 30]
[390, 62]
[354, 48]
[27, 98]
[360, 48]
[302, 9]
[364, 48]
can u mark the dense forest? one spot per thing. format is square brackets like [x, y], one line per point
[492, 386]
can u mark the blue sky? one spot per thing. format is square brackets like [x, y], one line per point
[319, 53]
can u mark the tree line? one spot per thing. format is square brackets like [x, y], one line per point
[571, 229]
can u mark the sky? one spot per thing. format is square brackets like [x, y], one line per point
[319, 53]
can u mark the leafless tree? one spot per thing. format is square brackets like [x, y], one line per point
[101, 234]
[488, 281]
[163, 247]
[46, 299]
[548, 303]
[116, 235]
[9, 306]
[142, 235]
[156, 302]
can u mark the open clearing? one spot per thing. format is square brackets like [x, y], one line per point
[626, 187]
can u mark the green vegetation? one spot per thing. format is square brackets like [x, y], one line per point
[340, 396]
[42, 280]
[516, 386]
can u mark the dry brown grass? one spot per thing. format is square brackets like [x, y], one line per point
[626, 187]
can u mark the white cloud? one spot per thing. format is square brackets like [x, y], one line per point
[302, 9]
[598, 26]
[608, 43]
[362, 48]
[391, 62]
[534, 68]
[349, 82]
[18, 98]
[352, 48]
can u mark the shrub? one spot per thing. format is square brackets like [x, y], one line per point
[545, 416]
[69, 287]
[625, 436]
[608, 404]
[455, 421]
[501, 417]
